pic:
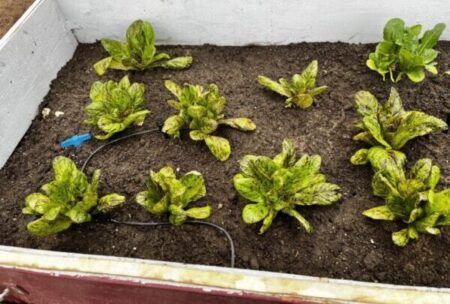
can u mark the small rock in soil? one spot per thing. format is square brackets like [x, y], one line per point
[254, 263]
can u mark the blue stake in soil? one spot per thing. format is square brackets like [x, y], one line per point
[76, 140]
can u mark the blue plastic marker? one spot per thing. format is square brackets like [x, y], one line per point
[76, 140]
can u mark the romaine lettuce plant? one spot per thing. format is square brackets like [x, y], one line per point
[280, 184]
[200, 111]
[167, 194]
[403, 52]
[115, 106]
[138, 52]
[389, 125]
[69, 199]
[409, 198]
[300, 91]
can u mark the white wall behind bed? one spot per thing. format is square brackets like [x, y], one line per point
[241, 22]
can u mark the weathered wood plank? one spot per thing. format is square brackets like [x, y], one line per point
[31, 54]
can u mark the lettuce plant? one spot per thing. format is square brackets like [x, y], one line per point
[280, 184]
[402, 52]
[167, 194]
[68, 199]
[200, 111]
[410, 198]
[115, 106]
[300, 91]
[389, 125]
[138, 52]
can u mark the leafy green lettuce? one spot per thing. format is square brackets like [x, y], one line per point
[200, 111]
[389, 125]
[403, 52]
[115, 106]
[410, 198]
[280, 184]
[301, 90]
[69, 198]
[138, 52]
[167, 194]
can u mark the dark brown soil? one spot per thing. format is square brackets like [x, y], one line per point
[344, 245]
[10, 11]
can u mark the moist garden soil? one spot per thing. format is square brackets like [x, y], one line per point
[344, 244]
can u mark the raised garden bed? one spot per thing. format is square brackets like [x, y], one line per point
[344, 245]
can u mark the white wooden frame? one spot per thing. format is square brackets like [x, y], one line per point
[44, 39]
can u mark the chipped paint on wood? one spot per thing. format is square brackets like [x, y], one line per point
[232, 280]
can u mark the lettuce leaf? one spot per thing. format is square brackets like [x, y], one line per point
[280, 184]
[70, 198]
[300, 91]
[138, 52]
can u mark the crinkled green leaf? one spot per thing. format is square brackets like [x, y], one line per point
[173, 125]
[287, 156]
[42, 227]
[431, 37]
[281, 183]
[254, 213]
[273, 86]
[416, 124]
[108, 202]
[115, 106]
[249, 188]
[400, 238]
[219, 147]
[402, 51]
[422, 170]
[439, 202]
[167, 194]
[243, 124]
[360, 157]
[373, 126]
[178, 63]
[138, 52]
[200, 110]
[302, 88]
[70, 198]
[319, 194]
[381, 185]
[393, 30]
[366, 104]
[380, 213]
[199, 212]
[195, 186]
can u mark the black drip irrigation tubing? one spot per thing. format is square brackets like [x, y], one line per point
[190, 222]
[113, 142]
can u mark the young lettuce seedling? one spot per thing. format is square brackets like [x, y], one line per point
[280, 184]
[115, 106]
[389, 125]
[200, 110]
[403, 52]
[138, 52]
[167, 194]
[69, 199]
[300, 91]
[409, 198]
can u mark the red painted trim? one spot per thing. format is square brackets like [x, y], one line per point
[43, 288]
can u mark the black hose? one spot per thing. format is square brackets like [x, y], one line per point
[113, 142]
[191, 222]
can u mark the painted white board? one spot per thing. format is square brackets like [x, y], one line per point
[241, 22]
[31, 54]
